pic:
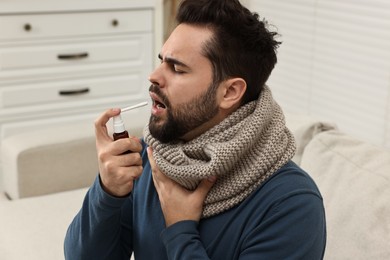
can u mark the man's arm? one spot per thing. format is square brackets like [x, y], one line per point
[182, 210]
[178, 203]
[98, 231]
[294, 228]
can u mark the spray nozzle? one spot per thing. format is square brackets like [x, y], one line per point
[119, 126]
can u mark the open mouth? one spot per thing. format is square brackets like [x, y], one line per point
[157, 102]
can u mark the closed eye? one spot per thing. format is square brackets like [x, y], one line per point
[175, 65]
[177, 70]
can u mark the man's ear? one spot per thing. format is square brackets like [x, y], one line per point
[232, 92]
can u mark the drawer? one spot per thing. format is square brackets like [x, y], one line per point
[16, 27]
[134, 121]
[71, 91]
[134, 48]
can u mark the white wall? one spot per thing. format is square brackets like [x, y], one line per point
[334, 62]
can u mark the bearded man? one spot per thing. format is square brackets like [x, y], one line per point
[213, 177]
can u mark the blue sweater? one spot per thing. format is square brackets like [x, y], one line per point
[283, 218]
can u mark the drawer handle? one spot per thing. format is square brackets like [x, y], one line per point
[27, 27]
[115, 22]
[74, 56]
[73, 92]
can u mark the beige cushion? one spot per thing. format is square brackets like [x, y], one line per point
[354, 178]
[51, 160]
[48, 161]
[304, 128]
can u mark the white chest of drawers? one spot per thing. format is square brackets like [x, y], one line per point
[64, 63]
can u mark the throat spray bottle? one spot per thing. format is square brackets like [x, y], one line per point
[119, 126]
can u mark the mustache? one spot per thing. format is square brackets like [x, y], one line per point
[156, 90]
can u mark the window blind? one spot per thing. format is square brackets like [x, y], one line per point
[334, 62]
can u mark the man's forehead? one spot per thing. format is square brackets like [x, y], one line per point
[186, 42]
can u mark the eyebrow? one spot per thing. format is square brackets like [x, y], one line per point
[173, 61]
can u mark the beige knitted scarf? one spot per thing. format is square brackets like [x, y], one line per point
[243, 151]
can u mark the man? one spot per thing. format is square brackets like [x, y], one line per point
[212, 178]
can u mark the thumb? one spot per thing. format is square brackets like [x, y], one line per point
[206, 185]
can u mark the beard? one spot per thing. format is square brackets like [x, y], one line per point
[184, 117]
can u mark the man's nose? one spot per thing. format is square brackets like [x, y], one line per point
[157, 77]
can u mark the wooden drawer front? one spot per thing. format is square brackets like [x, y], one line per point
[74, 24]
[71, 91]
[132, 49]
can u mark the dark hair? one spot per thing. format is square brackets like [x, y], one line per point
[242, 46]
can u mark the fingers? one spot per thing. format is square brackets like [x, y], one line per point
[100, 123]
[155, 171]
[124, 145]
[158, 177]
[121, 183]
[151, 158]
[124, 160]
[117, 170]
[205, 186]
[104, 140]
[178, 203]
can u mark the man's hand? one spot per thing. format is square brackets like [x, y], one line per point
[178, 203]
[117, 170]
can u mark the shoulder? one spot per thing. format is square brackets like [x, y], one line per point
[290, 189]
[290, 179]
[288, 197]
[284, 206]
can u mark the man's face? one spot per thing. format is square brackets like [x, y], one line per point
[184, 97]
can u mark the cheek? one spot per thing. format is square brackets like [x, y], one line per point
[187, 89]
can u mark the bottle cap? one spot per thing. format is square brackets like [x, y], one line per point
[119, 126]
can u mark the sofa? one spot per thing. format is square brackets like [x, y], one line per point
[353, 176]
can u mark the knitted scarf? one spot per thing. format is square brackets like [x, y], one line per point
[245, 149]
